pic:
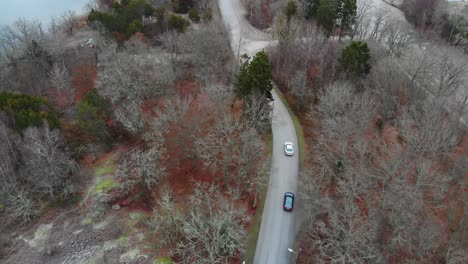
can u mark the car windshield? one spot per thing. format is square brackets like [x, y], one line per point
[288, 202]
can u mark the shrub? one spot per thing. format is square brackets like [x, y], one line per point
[25, 110]
[178, 23]
[182, 6]
[193, 15]
[91, 115]
[206, 17]
[125, 16]
[134, 27]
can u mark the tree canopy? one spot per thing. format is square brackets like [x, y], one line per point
[291, 9]
[355, 58]
[24, 111]
[255, 76]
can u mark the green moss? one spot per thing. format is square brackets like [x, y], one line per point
[134, 218]
[104, 170]
[165, 260]
[87, 221]
[105, 185]
[122, 241]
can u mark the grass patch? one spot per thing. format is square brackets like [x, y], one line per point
[87, 221]
[105, 185]
[122, 241]
[164, 260]
[297, 126]
[104, 170]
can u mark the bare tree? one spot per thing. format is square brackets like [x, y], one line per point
[380, 17]
[390, 84]
[362, 20]
[15, 40]
[129, 116]
[47, 164]
[426, 128]
[221, 95]
[250, 154]
[27, 60]
[204, 5]
[347, 237]
[132, 76]
[167, 219]
[179, 125]
[451, 72]
[60, 77]
[141, 168]
[219, 148]
[396, 37]
[70, 22]
[212, 232]
[208, 50]
[258, 112]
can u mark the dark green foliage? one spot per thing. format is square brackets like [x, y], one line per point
[90, 122]
[136, 8]
[94, 99]
[311, 8]
[111, 22]
[330, 13]
[91, 115]
[355, 59]
[24, 111]
[178, 23]
[193, 15]
[326, 15]
[346, 13]
[255, 76]
[291, 9]
[125, 17]
[206, 17]
[182, 6]
[134, 27]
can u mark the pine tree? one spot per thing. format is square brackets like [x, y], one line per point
[255, 76]
[355, 59]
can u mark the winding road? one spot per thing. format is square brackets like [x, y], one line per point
[277, 227]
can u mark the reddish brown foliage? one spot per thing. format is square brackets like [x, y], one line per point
[60, 99]
[83, 78]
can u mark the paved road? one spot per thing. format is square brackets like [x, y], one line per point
[277, 227]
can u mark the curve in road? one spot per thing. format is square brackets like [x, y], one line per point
[277, 226]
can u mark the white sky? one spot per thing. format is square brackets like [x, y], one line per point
[42, 10]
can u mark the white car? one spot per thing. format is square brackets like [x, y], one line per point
[288, 148]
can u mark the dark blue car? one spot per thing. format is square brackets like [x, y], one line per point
[288, 203]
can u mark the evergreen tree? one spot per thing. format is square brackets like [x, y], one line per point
[346, 13]
[255, 76]
[355, 59]
[327, 14]
[178, 23]
[291, 9]
[24, 111]
[311, 8]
